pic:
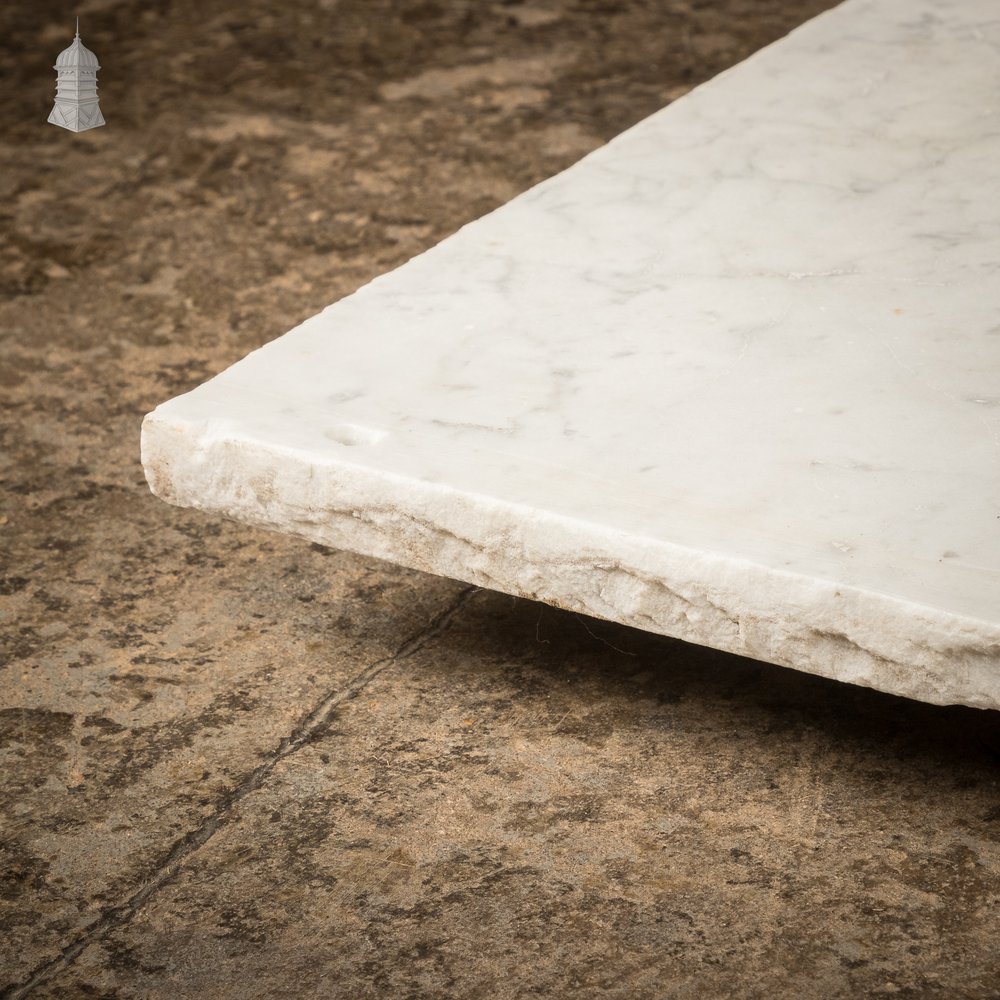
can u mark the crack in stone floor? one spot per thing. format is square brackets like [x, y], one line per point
[312, 725]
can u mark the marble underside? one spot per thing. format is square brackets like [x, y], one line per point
[734, 377]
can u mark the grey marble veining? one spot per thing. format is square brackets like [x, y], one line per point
[734, 377]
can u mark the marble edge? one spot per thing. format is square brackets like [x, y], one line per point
[728, 603]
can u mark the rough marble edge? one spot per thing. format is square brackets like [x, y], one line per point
[813, 625]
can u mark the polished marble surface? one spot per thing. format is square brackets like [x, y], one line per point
[734, 377]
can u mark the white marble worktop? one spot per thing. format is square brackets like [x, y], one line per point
[734, 377]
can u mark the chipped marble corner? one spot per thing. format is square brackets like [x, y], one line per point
[812, 625]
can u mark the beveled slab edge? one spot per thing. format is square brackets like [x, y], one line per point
[813, 625]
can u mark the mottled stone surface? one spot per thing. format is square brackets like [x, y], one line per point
[521, 810]
[205, 789]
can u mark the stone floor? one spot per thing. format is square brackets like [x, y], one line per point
[234, 765]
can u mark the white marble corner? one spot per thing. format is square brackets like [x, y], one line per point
[734, 377]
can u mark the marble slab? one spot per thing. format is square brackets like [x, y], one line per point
[733, 377]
